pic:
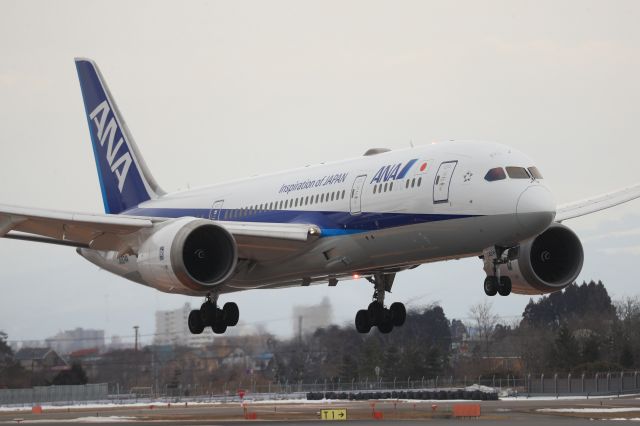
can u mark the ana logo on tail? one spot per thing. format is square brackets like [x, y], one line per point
[107, 130]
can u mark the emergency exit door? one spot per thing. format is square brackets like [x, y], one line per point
[356, 194]
[214, 214]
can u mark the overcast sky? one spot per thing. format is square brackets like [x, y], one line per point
[220, 90]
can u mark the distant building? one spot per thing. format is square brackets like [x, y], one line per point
[306, 319]
[69, 341]
[172, 329]
[117, 344]
[40, 360]
[16, 346]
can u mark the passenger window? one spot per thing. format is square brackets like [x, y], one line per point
[413, 182]
[518, 173]
[385, 187]
[407, 185]
[535, 172]
[420, 181]
[495, 174]
[343, 192]
[391, 186]
[375, 187]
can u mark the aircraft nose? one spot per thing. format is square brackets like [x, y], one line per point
[536, 209]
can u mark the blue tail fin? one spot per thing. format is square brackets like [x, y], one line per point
[124, 178]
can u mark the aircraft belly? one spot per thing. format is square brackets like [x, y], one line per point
[342, 256]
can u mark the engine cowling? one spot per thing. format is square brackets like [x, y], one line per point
[190, 253]
[547, 263]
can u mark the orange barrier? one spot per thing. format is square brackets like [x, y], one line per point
[466, 410]
[378, 415]
[36, 409]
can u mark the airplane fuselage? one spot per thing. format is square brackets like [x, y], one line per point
[386, 211]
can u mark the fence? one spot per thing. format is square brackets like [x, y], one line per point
[54, 394]
[609, 383]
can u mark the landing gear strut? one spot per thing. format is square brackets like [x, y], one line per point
[376, 314]
[210, 315]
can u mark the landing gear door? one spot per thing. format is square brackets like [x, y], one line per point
[356, 194]
[214, 214]
[442, 181]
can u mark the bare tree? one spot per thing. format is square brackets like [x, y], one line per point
[628, 308]
[484, 321]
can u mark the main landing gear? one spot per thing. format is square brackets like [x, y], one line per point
[210, 315]
[376, 314]
[495, 283]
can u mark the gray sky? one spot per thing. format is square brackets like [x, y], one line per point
[220, 90]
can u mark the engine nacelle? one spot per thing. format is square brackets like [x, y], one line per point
[190, 253]
[547, 263]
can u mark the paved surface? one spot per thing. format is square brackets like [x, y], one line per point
[521, 412]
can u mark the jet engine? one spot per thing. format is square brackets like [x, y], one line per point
[187, 253]
[547, 263]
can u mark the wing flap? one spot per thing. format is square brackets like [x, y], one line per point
[66, 226]
[597, 203]
[256, 240]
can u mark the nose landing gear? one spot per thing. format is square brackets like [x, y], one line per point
[210, 315]
[376, 314]
[494, 283]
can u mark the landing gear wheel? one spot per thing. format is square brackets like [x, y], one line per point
[195, 322]
[230, 314]
[219, 327]
[208, 313]
[398, 313]
[376, 313]
[491, 286]
[387, 323]
[362, 321]
[504, 287]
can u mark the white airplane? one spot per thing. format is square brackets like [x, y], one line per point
[371, 216]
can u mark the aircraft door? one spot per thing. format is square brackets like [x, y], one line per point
[214, 214]
[356, 194]
[442, 181]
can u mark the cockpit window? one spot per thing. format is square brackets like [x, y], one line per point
[495, 174]
[535, 172]
[518, 173]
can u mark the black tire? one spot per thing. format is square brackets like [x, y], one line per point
[387, 323]
[230, 314]
[376, 313]
[362, 321]
[504, 287]
[219, 328]
[208, 313]
[491, 286]
[398, 313]
[195, 322]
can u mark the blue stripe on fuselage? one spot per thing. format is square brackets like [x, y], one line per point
[405, 169]
[330, 223]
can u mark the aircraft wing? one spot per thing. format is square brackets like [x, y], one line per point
[600, 202]
[257, 241]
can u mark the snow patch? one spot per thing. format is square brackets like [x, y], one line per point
[92, 419]
[589, 410]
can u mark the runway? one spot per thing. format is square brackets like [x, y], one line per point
[521, 411]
